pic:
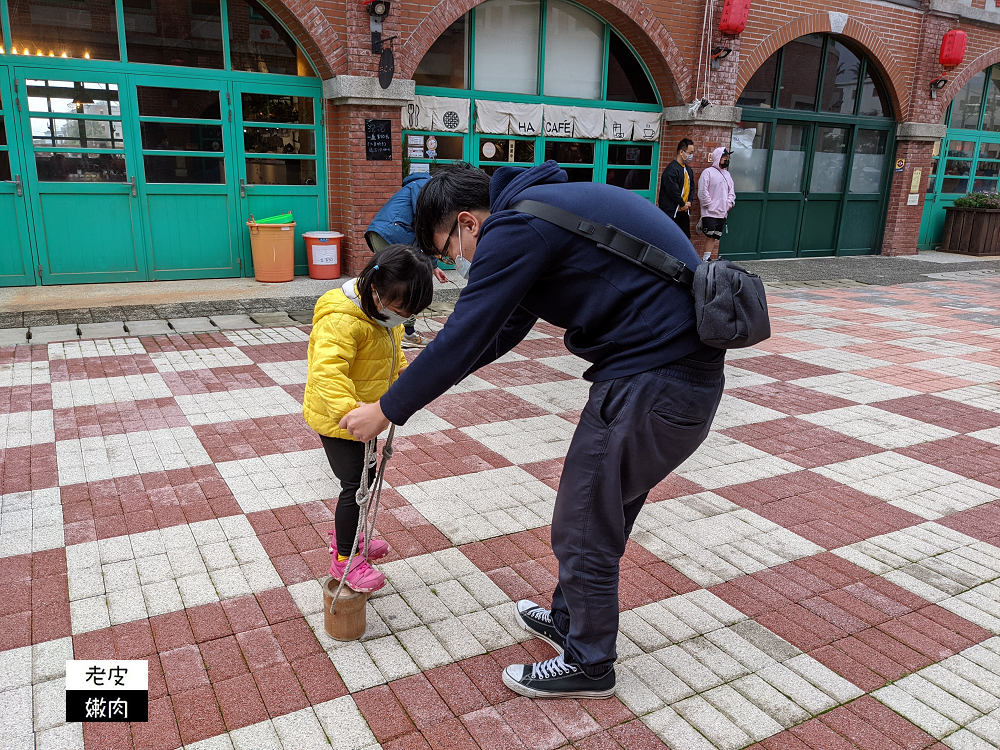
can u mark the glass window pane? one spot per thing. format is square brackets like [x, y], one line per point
[279, 141]
[82, 133]
[748, 161]
[800, 73]
[630, 179]
[630, 156]
[174, 32]
[989, 151]
[277, 108]
[507, 46]
[958, 168]
[165, 136]
[444, 64]
[874, 97]
[759, 91]
[840, 80]
[259, 44]
[984, 186]
[155, 101]
[186, 169]
[281, 172]
[967, 103]
[788, 159]
[991, 115]
[829, 160]
[580, 174]
[82, 98]
[574, 52]
[869, 159]
[4, 166]
[60, 167]
[3, 133]
[74, 28]
[988, 169]
[569, 152]
[451, 147]
[955, 185]
[506, 150]
[961, 149]
[627, 79]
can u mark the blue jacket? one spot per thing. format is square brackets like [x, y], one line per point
[618, 316]
[394, 222]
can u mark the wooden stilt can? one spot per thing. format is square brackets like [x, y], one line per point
[349, 621]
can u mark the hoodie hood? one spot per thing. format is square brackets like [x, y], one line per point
[717, 156]
[336, 301]
[507, 182]
[416, 177]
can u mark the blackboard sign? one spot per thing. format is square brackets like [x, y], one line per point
[378, 140]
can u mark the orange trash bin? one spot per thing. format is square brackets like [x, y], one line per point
[273, 248]
[323, 254]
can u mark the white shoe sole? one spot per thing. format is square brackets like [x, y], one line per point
[528, 692]
[524, 626]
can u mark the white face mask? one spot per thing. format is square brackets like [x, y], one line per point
[391, 319]
[462, 265]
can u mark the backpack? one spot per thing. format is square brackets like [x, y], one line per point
[729, 302]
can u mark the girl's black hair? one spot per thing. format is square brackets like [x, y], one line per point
[400, 274]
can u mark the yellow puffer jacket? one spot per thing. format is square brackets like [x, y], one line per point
[351, 361]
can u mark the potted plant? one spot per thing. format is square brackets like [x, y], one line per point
[972, 225]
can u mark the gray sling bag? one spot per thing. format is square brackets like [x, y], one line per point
[729, 302]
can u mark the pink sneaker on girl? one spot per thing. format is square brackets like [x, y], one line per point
[377, 548]
[362, 576]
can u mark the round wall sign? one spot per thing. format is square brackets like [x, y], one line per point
[386, 68]
[489, 150]
[432, 143]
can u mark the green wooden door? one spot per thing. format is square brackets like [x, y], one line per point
[16, 267]
[860, 228]
[81, 177]
[281, 158]
[187, 176]
[821, 203]
[786, 181]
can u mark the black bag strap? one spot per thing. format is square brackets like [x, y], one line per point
[614, 240]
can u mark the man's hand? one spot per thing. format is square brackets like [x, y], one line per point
[687, 206]
[440, 275]
[365, 422]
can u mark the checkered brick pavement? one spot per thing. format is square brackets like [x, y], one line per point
[823, 573]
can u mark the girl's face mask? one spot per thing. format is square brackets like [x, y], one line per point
[392, 319]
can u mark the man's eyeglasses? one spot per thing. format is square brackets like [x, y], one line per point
[442, 254]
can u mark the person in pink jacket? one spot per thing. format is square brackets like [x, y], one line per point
[717, 196]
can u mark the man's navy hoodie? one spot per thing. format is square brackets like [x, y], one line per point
[618, 316]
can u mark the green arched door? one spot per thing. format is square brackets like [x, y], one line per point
[810, 159]
[138, 150]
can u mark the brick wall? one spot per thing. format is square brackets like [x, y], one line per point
[903, 42]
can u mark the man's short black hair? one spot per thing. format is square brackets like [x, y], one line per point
[683, 145]
[454, 188]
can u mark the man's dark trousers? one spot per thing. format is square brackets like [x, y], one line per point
[633, 432]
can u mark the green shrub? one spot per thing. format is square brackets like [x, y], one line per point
[978, 200]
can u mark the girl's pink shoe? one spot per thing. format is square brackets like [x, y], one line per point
[362, 576]
[377, 548]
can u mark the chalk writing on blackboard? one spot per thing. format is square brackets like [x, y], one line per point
[378, 140]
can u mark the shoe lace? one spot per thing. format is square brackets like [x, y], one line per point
[543, 614]
[554, 667]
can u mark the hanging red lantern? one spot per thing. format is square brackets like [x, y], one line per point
[953, 48]
[734, 16]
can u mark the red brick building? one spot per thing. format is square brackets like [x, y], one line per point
[841, 143]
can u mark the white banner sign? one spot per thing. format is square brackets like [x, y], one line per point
[620, 125]
[573, 122]
[508, 118]
[436, 113]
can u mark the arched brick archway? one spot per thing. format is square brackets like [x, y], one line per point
[957, 81]
[633, 19]
[314, 32]
[819, 23]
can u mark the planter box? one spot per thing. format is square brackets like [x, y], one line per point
[971, 231]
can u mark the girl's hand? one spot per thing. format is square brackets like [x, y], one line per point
[365, 422]
[440, 275]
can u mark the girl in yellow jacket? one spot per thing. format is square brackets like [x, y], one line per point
[355, 354]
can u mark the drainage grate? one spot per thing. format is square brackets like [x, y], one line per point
[813, 284]
[955, 275]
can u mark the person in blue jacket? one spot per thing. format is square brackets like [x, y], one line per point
[656, 386]
[393, 225]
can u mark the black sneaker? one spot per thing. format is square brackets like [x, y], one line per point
[556, 678]
[538, 621]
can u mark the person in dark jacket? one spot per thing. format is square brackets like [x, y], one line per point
[677, 187]
[393, 225]
[656, 386]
